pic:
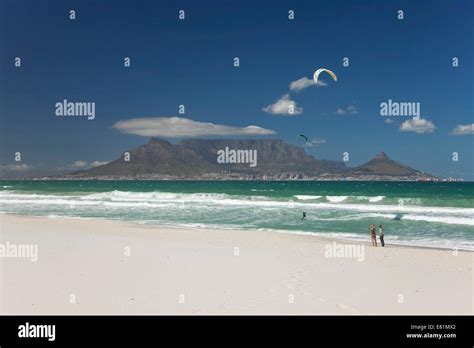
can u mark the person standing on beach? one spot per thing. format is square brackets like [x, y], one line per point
[372, 235]
[381, 235]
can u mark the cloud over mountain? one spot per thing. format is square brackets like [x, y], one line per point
[178, 127]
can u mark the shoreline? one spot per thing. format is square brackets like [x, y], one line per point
[317, 235]
[202, 272]
[233, 179]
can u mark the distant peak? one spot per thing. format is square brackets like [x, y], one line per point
[381, 155]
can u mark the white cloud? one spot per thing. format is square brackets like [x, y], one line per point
[83, 165]
[15, 167]
[98, 163]
[388, 120]
[304, 82]
[283, 106]
[79, 164]
[418, 125]
[177, 127]
[315, 142]
[350, 110]
[461, 129]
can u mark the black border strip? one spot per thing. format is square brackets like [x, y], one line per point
[224, 330]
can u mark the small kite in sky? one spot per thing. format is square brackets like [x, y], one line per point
[319, 71]
[304, 137]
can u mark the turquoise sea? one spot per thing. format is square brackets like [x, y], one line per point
[415, 213]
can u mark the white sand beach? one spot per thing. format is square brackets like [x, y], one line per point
[83, 268]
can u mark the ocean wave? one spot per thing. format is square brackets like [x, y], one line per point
[340, 199]
[306, 197]
[157, 196]
[452, 220]
[396, 209]
[336, 199]
[139, 204]
[409, 201]
[131, 196]
[46, 201]
[354, 217]
[370, 199]
[156, 199]
[13, 194]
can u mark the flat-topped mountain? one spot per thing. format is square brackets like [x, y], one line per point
[197, 157]
[273, 158]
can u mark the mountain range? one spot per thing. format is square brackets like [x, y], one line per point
[275, 159]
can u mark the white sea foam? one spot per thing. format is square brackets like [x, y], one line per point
[45, 201]
[409, 201]
[452, 220]
[139, 204]
[360, 216]
[121, 196]
[307, 197]
[145, 200]
[336, 199]
[370, 199]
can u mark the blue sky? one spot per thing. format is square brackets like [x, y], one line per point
[190, 62]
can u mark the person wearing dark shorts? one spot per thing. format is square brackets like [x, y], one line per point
[381, 235]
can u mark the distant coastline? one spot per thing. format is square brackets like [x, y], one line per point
[239, 177]
[260, 159]
[236, 159]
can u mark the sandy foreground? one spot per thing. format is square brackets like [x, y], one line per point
[111, 267]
